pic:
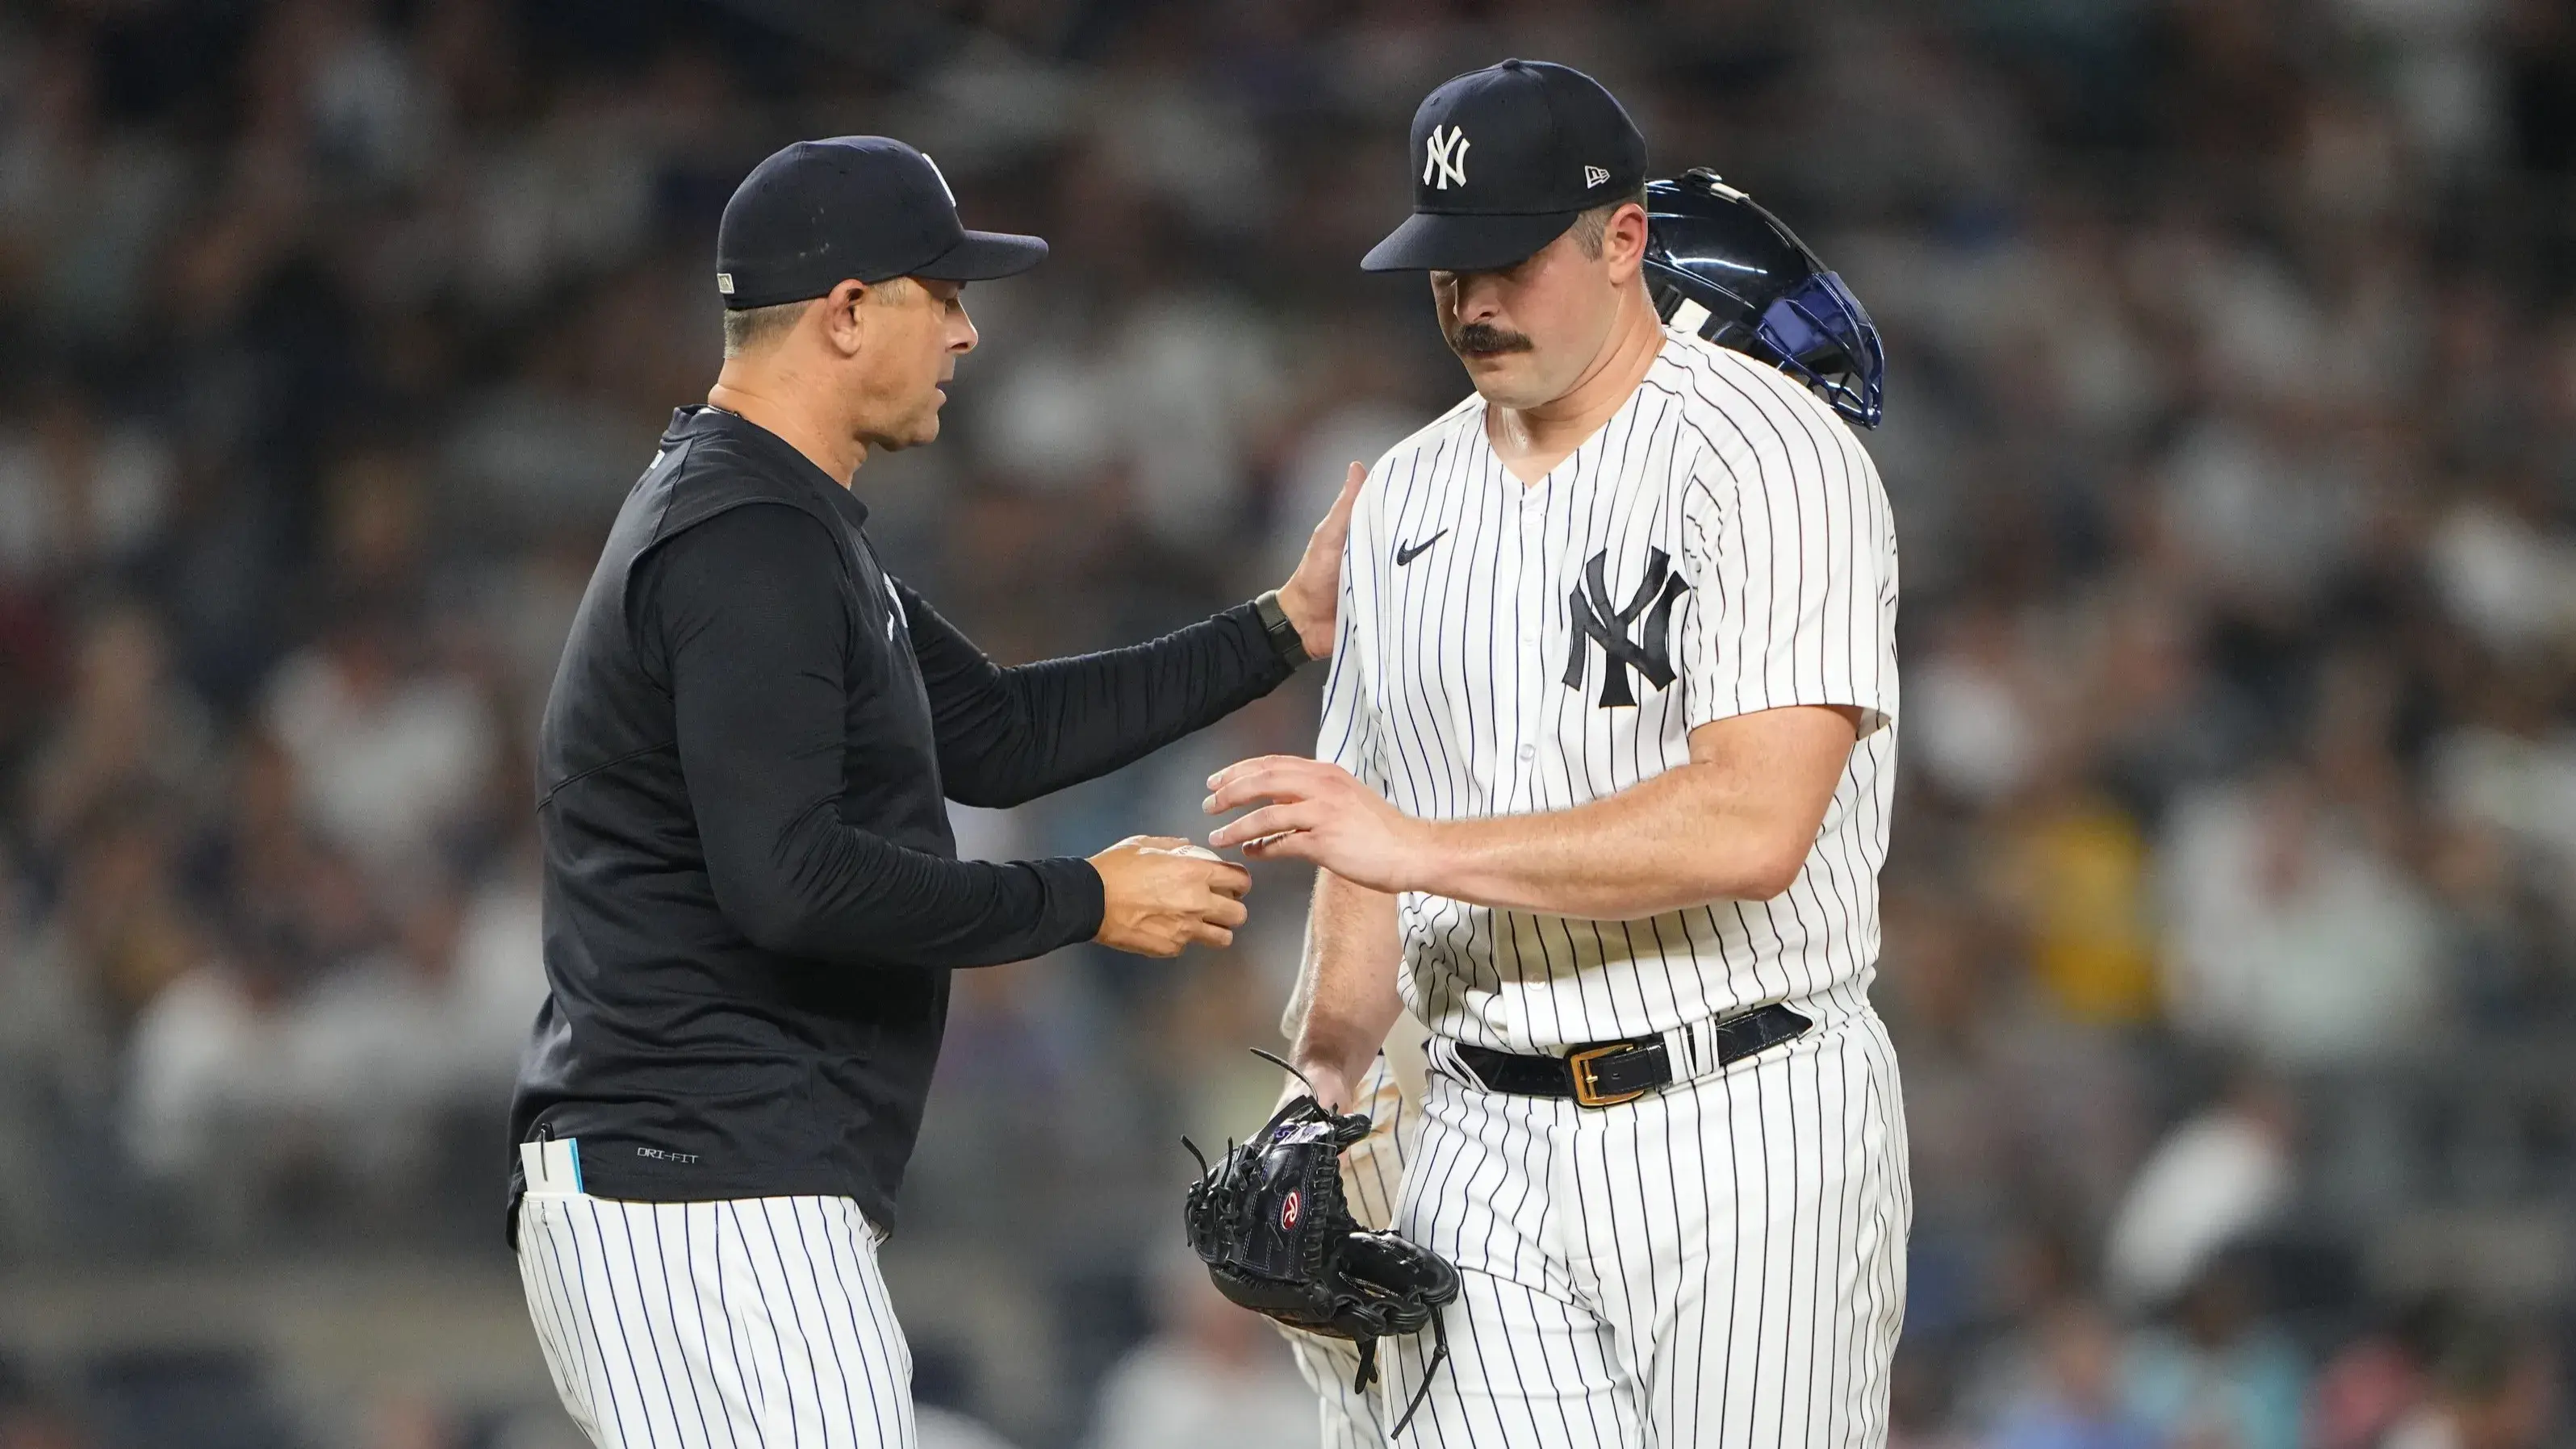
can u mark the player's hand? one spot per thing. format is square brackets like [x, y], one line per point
[1319, 814]
[1161, 894]
[1331, 1087]
[1312, 592]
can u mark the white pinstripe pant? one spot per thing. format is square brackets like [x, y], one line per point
[1717, 1264]
[753, 1323]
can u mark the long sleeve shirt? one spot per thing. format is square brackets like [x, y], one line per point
[752, 896]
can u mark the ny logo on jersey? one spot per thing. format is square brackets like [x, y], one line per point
[1445, 158]
[1594, 619]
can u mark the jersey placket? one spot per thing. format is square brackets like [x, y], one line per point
[1521, 601]
[1530, 582]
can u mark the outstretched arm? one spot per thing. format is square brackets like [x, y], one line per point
[1736, 822]
[1009, 735]
[744, 615]
[1787, 655]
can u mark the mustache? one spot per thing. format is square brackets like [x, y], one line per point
[1485, 337]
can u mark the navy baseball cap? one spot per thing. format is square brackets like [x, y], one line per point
[870, 207]
[1504, 160]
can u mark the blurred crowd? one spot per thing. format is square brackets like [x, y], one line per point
[2231, 944]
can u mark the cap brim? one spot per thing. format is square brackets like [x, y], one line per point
[984, 255]
[1458, 242]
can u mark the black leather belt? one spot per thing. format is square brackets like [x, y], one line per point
[1606, 1073]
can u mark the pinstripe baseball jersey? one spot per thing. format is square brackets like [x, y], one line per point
[1721, 546]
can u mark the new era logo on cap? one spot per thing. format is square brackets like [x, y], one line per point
[1594, 176]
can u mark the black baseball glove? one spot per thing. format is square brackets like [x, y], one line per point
[1270, 1223]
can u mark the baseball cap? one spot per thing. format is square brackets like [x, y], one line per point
[1504, 159]
[870, 207]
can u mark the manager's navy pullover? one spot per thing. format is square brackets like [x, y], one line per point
[752, 898]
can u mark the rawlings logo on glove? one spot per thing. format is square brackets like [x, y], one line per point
[1270, 1223]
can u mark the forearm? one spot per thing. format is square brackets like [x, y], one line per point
[1683, 838]
[1009, 735]
[1346, 999]
[795, 878]
[822, 891]
[1737, 822]
[1093, 713]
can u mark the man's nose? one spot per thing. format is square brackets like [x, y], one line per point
[963, 338]
[1479, 297]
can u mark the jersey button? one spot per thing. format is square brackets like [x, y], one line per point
[1528, 753]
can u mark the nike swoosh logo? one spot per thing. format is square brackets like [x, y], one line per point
[1405, 554]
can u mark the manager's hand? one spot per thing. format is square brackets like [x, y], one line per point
[1315, 589]
[1160, 894]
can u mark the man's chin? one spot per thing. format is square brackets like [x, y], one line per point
[895, 440]
[1500, 381]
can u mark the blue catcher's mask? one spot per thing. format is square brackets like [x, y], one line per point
[1722, 266]
[1821, 317]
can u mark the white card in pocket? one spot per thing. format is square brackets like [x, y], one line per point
[552, 1166]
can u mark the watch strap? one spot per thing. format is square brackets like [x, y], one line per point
[1283, 634]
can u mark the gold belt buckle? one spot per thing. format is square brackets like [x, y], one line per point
[1586, 1093]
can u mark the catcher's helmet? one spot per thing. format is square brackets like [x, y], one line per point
[1719, 264]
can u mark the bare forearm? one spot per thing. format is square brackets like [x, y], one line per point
[1736, 823]
[1346, 998]
[1680, 839]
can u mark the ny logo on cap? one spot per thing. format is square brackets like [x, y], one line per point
[1445, 158]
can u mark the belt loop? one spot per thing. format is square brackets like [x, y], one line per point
[1681, 1048]
[1443, 1053]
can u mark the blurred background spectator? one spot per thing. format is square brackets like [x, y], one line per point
[1209, 1374]
[2231, 940]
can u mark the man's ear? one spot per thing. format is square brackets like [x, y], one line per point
[1623, 242]
[844, 313]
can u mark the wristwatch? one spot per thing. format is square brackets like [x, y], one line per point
[1283, 634]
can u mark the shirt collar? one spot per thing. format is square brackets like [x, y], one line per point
[703, 419]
